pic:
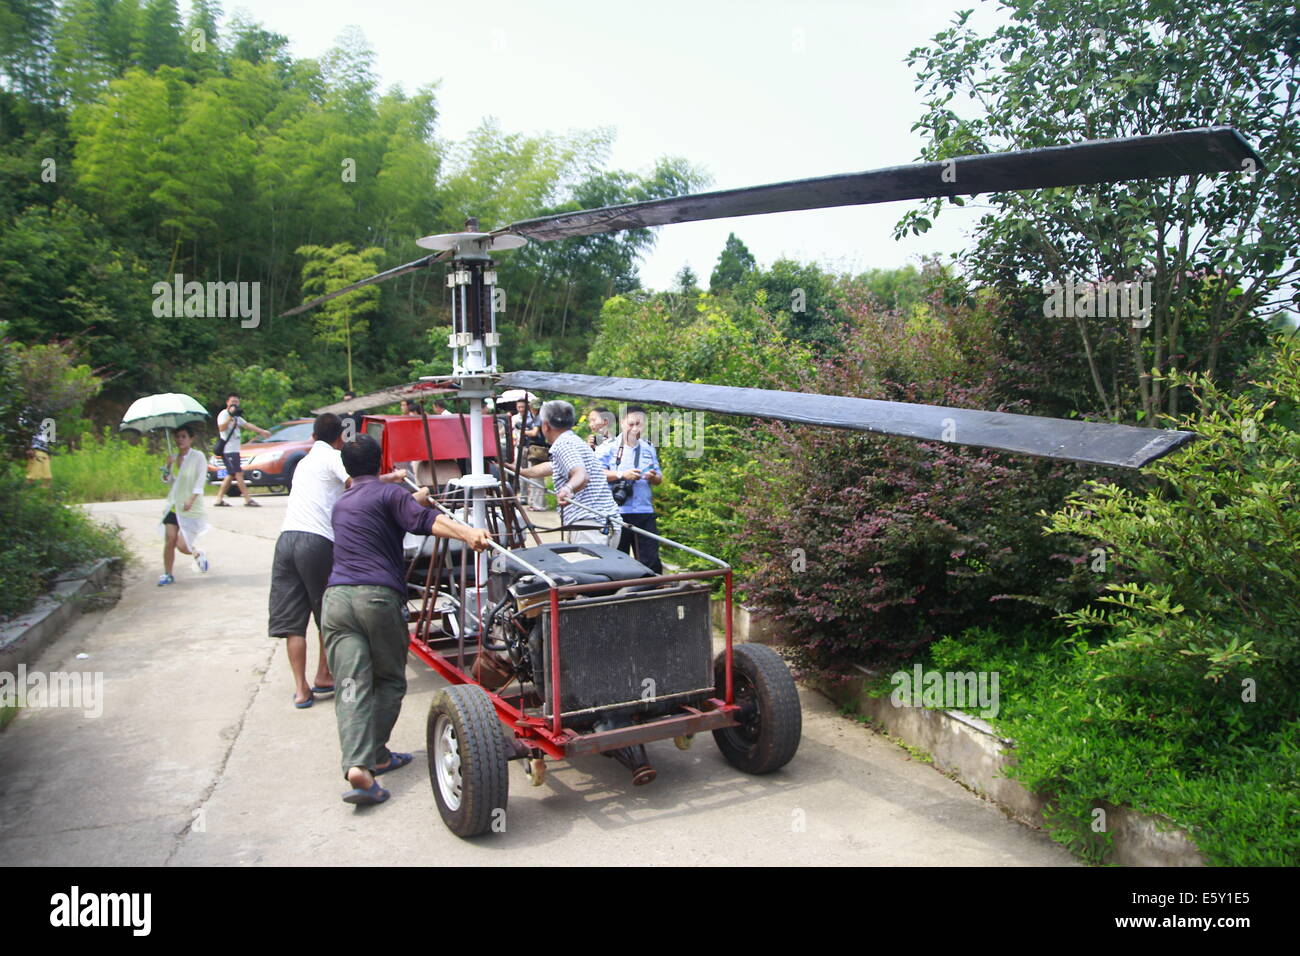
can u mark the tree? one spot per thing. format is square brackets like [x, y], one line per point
[326, 270]
[1218, 251]
[157, 39]
[733, 263]
[686, 281]
[27, 47]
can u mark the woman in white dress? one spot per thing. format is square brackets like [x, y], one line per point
[185, 519]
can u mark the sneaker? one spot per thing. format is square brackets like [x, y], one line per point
[200, 561]
[165, 580]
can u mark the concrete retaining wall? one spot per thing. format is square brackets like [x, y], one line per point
[971, 752]
[23, 638]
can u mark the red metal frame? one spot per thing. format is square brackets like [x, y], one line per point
[552, 737]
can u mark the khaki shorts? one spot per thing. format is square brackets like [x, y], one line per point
[38, 466]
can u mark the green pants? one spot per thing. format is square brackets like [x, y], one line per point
[364, 627]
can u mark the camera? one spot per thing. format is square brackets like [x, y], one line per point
[236, 410]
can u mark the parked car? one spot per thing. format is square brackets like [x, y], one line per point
[269, 462]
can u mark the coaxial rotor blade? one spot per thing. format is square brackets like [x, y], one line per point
[1098, 443]
[393, 273]
[1207, 150]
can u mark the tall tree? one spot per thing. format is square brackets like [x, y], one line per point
[157, 39]
[733, 263]
[341, 320]
[1219, 252]
[27, 47]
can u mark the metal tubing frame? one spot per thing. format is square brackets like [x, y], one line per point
[551, 736]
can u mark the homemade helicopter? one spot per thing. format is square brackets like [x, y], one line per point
[560, 650]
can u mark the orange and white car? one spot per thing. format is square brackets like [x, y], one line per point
[269, 462]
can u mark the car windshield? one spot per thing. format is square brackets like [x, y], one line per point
[301, 431]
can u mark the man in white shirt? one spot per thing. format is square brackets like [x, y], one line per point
[229, 422]
[304, 554]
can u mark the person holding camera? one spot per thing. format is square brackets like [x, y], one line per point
[229, 422]
[631, 466]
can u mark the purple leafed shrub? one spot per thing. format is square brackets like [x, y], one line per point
[866, 548]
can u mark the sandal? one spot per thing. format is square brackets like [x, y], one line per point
[396, 761]
[221, 504]
[366, 797]
[250, 503]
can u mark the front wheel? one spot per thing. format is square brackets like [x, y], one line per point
[771, 722]
[468, 761]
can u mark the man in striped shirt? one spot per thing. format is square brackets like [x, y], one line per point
[579, 478]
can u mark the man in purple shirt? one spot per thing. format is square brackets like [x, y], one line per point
[364, 612]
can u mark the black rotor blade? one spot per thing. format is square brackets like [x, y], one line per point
[1207, 150]
[1098, 443]
[443, 387]
[393, 273]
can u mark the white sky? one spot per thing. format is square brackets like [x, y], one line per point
[754, 92]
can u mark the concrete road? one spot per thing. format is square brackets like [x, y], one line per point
[200, 759]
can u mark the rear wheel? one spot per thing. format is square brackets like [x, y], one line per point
[289, 469]
[771, 722]
[467, 761]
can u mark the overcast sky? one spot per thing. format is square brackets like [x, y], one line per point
[754, 92]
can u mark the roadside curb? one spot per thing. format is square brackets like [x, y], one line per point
[23, 638]
[967, 749]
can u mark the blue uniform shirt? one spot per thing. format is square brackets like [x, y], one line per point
[617, 456]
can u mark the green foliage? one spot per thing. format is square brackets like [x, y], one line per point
[1201, 755]
[42, 391]
[734, 263]
[1219, 254]
[219, 159]
[340, 320]
[802, 298]
[43, 537]
[110, 467]
[718, 341]
[1206, 564]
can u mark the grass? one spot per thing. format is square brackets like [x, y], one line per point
[44, 536]
[1218, 766]
[107, 467]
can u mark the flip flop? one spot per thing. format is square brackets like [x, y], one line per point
[396, 761]
[364, 798]
[221, 504]
[304, 704]
[323, 690]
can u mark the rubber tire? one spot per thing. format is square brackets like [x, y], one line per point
[769, 743]
[289, 468]
[485, 782]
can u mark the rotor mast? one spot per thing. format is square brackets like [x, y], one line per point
[474, 341]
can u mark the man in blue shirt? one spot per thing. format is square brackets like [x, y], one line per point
[633, 458]
[364, 612]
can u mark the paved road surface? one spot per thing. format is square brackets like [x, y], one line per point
[200, 759]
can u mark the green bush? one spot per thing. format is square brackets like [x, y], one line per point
[1206, 563]
[107, 467]
[43, 537]
[1212, 758]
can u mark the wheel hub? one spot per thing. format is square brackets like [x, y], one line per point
[446, 759]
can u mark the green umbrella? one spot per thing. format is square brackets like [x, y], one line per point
[168, 410]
